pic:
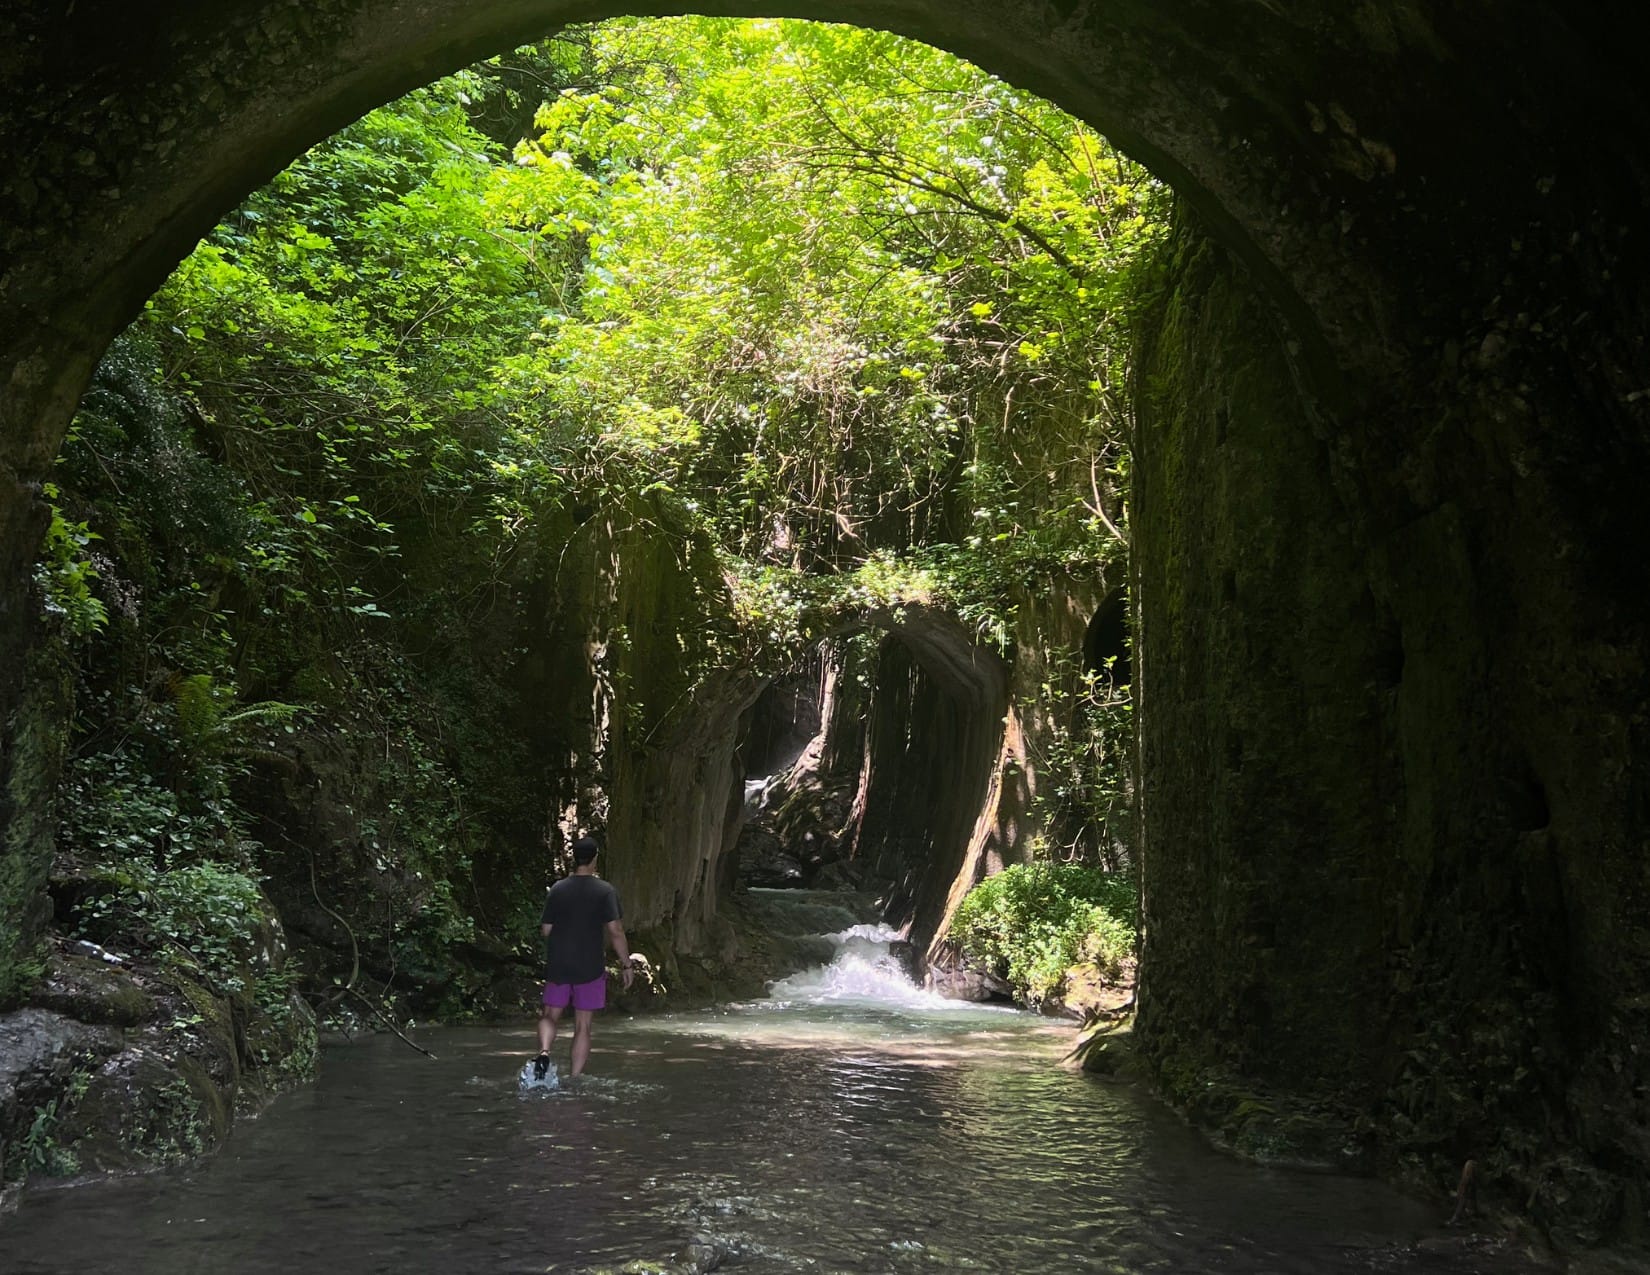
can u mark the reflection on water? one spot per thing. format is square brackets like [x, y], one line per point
[851, 1124]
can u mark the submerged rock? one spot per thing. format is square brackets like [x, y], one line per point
[964, 983]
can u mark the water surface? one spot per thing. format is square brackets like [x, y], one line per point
[853, 1123]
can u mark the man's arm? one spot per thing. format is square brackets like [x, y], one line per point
[615, 935]
[544, 930]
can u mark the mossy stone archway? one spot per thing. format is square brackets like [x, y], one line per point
[1387, 521]
[1343, 154]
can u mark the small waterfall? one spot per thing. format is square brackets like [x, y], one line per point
[864, 971]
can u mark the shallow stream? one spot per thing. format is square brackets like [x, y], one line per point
[852, 1123]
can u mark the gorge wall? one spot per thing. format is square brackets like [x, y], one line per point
[936, 757]
[638, 722]
[957, 776]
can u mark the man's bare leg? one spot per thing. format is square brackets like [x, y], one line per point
[582, 1019]
[549, 1016]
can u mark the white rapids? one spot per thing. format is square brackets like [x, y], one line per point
[863, 972]
[527, 1082]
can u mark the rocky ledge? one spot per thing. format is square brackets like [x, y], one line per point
[118, 1065]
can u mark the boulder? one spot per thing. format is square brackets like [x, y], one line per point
[142, 1107]
[93, 991]
[964, 983]
[1091, 994]
[39, 1049]
[764, 861]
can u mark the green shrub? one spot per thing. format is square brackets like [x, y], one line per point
[1032, 922]
[202, 917]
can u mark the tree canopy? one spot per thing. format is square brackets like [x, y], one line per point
[836, 292]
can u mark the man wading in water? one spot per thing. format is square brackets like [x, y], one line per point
[580, 914]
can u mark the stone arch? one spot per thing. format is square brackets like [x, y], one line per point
[133, 131]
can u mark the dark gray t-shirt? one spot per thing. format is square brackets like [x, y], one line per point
[577, 911]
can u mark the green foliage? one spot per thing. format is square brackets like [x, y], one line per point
[210, 725]
[832, 296]
[174, 1129]
[37, 1150]
[154, 798]
[1085, 781]
[294, 1027]
[65, 572]
[1032, 922]
[205, 919]
[820, 310]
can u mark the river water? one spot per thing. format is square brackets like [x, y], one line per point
[852, 1123]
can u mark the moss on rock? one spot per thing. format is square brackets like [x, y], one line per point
[94, 991]
[32, 754]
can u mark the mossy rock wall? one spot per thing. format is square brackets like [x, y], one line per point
[32, 739]
[631, 696]
[121, 1063]
[1390, 814]
[944, 740]
[1051, 623]
[929, 782]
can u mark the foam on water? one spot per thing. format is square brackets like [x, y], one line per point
[527, 1082]
[864, 972]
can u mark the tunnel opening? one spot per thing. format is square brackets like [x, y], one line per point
[503, 635]
[1106, 643]
[882, 798]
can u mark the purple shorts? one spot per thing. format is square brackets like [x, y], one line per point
[591, 995]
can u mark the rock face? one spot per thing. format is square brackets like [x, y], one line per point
[925, 774]
[39, 1049]
[119, 1067]
[636, 713]
[1390, 767]
[928, 785]
[1390, 583]
[1055, 640]
[961, 983]
[954, 740]
[799, 816]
